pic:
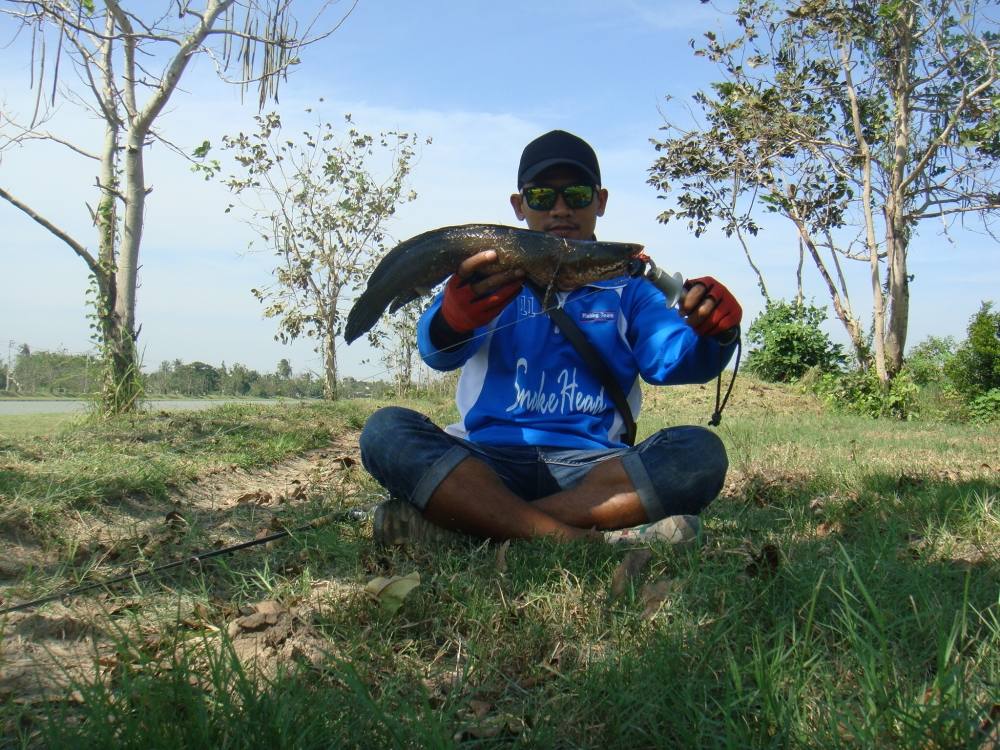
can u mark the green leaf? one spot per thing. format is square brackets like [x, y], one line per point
[202, 151]
[390, 592]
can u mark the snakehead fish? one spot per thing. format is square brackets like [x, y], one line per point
[414, 267]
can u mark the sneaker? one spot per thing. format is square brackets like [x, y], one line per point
[681, 530]
[396, 523]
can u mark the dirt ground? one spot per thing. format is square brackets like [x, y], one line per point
[46, 649]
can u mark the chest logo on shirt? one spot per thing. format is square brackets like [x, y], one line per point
[565, 397]
[597, 316]
[528, 307]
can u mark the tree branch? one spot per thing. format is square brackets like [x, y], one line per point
[77, 248]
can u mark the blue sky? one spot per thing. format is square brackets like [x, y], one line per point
[481, 79]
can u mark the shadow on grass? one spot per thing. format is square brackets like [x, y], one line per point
[872, 621]
[867, 630]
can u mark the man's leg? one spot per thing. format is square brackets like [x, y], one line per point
[677, 471]
[605, 499]
[439, 477]
[474, 500]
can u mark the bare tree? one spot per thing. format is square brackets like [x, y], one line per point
[128, 63]
[856, 121]
[319, 206]
[399, 347]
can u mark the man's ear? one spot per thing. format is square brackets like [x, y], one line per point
[602, 201]
[516, 202]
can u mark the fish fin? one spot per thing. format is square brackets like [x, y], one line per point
[402, 299]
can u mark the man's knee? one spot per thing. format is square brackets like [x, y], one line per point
[383, 428]
[715, 461]
[709, 469]
[688, 468]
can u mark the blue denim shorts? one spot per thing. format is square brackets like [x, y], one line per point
[677, 470]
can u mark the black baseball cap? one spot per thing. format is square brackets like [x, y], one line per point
[557, 147]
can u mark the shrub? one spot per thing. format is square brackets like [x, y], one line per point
[788, 342]
[975, 369]
[985, 408]
[926, 361]
[861, 392]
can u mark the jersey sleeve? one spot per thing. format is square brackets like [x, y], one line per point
[443, 360]
[667, 350]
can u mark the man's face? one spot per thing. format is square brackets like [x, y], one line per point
[561, 220]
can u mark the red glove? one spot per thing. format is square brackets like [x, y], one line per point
[464, 310]
[725, 315]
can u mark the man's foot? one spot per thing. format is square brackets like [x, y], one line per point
[396, 523]
[681, 530]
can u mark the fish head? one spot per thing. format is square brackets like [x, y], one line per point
[596, 261]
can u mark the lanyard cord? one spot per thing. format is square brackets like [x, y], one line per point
[721, 404]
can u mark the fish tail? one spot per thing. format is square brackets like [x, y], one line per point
[392, 283]
[363, 316]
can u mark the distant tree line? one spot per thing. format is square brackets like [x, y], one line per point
[45, 373]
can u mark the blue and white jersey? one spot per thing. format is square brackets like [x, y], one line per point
[523, 383]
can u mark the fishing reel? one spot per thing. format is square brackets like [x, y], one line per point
[672, 286]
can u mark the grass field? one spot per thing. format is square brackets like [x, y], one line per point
[32, 425]
[847, 594]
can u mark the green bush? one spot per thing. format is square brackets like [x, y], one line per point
[926, 361]
[861, 392]
[787, 342]
[985, 408]
[975, 369]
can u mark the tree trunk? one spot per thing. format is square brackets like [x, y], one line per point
[898, 284]
[897, 232]
[135, 208]
[122, 335]
[842, 310]
[799, 295]
[330, 389]
[120, 387]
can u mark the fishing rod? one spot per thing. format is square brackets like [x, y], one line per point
[196, 559]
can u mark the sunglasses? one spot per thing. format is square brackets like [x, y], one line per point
[544, 198]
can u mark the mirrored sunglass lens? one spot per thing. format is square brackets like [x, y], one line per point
[540, 198]
[578, 196]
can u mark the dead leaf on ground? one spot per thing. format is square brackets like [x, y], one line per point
[173, 518]
[480, 708]
[631, 566]
[264, 615]
[390, 592]
[827, 528]
[488, 727]
[257, 497]
[655, 594]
